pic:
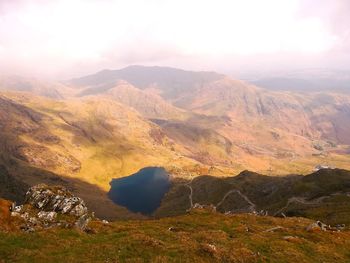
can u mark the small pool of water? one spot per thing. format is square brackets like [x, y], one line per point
[141, 192]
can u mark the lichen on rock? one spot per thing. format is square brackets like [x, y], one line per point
[51, 206]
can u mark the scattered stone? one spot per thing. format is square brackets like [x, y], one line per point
[198, 206]
[175, 229]
[274, 229]
[317, 226]
[82, 222]
[291, 238]
[105, 222]
[340, 227]
[212, 247]
[209, 248]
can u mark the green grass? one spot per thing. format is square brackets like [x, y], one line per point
[192, 241]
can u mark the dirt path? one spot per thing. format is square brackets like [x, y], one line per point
[252, 206]
[190, 197]
[301, 200]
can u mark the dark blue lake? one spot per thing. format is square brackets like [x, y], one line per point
[141, 192]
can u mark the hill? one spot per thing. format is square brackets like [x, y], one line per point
[200, 236]
[170, 81]
[31, 85]
[106, 127]
[267, 129]
[323, 195]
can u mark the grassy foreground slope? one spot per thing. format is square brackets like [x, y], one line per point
[200, 236]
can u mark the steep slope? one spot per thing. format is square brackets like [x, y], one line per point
[67, 127]
[299, 114]
[147, 103]
[11, 188]
[214, 94]
[86, 143]
[323, 195]
[267, 131]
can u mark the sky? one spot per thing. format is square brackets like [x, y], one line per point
[69, 38]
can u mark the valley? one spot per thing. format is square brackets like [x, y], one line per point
[194, 124]
[174, 131]
[174, 155]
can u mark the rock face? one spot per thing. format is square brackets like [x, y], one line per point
[51, 206]
[57, 199]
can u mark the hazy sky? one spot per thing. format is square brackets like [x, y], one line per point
[65, 38]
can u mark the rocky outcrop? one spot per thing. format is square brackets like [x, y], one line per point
[57, 199]
[51, 206]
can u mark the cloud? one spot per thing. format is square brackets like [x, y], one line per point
[335, 15]
[67, 37]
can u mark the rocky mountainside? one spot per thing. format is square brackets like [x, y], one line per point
[257, 122]
[249, 127]
[147, 103]
[114, 123]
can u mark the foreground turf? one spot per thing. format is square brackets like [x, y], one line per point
[200, 236]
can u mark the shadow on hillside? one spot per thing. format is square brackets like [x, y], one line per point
[320, 195]
[253, 190]
[23, 175]
[17, 174]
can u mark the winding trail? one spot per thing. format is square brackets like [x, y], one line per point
[191, 194]
[252, 206]
[190, 197]
[302, 200]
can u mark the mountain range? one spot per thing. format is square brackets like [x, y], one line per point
[86, 131]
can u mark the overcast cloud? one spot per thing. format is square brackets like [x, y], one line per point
[66, 38]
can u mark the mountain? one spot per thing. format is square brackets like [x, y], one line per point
[31, 85]
[254, 121]
[307, 80]
[147, 103]
[170, 81]
[92, 141]
[75, 138]
[114, 123]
